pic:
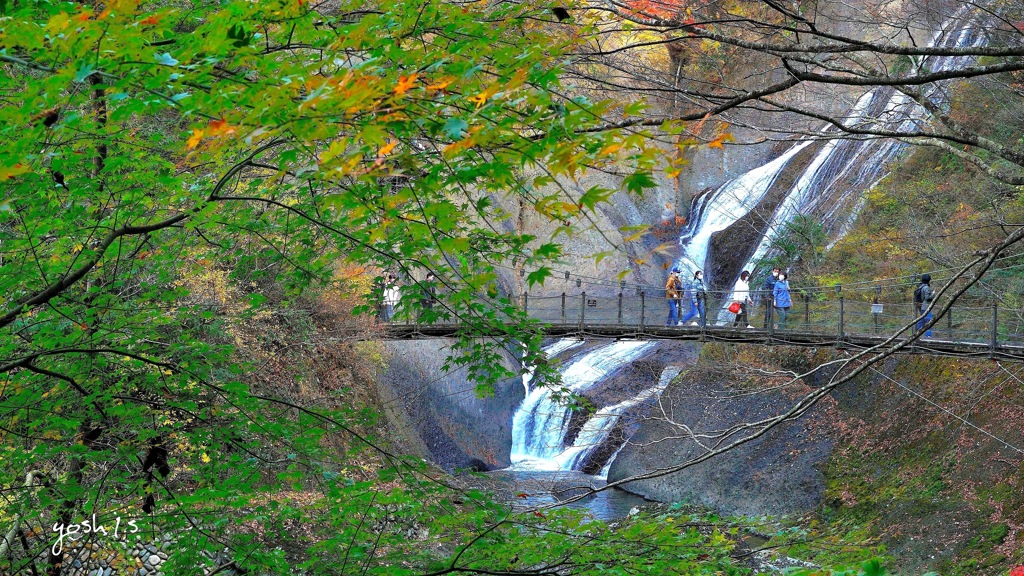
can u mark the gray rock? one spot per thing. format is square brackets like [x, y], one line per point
[776, 474]
[439, 415]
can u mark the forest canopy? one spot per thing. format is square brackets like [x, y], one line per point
[187, 185]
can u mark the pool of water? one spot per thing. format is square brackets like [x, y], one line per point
[536, 488]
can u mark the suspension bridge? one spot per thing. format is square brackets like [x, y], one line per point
[814, 320]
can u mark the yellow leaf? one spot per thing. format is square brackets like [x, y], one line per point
[481, 98]
[387, 148]
[636, 235]
[194, 139]
[205, 458]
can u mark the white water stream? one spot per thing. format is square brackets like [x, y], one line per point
[540, 425]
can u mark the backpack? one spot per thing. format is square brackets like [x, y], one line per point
[699, 293]
[923, 294]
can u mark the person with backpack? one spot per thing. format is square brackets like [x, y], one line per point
[673, 295]
[768, 293]
[923, 296]
[782, 300]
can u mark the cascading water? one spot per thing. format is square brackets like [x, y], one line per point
[730, 202]
[540, 424]
[857, 164]
[843, 167]
[599, 427]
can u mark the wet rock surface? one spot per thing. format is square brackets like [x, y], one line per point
[775, 474]
[440, 416]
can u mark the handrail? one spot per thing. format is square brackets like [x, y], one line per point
[832, 317]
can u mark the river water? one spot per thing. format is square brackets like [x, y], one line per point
[525, 489]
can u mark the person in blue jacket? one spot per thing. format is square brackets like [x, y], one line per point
[767, 294]
[698, 300]
[782, 300]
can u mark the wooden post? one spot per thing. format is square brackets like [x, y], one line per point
[583, 308]
[643, 306]
[841, 319]
[563, 306]
[995, 333]
[620, 307]
[949, 322]
[526, 303]
[807, 311]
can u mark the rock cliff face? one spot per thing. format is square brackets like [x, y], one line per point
[439, 416]
[776, 474]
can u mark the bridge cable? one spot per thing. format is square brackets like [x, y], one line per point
[951, 413]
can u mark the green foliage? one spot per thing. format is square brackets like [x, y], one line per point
[175, 172]
[800, 244]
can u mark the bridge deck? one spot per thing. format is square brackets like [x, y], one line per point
[929, 346]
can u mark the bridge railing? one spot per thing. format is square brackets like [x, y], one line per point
[816, 313]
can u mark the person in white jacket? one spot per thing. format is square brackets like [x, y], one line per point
[741, 293]
[392, 296]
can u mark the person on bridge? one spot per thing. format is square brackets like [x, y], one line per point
[923, 297]
[392, 296]
[741, 293]
[698, 301]
[768, 293]
[673, 295]
[429, 295]
[782, 300]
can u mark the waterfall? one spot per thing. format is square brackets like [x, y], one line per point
[540, 424]
[667, 375]
[550, 351]
[730, 202]
[843, 167]
[857, 164]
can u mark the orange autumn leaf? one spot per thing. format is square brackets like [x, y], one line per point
[220, 128]
[150, 21]
[388, 148]
[439, 85]
[83, 16]
[405, 83]
[717, 142]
